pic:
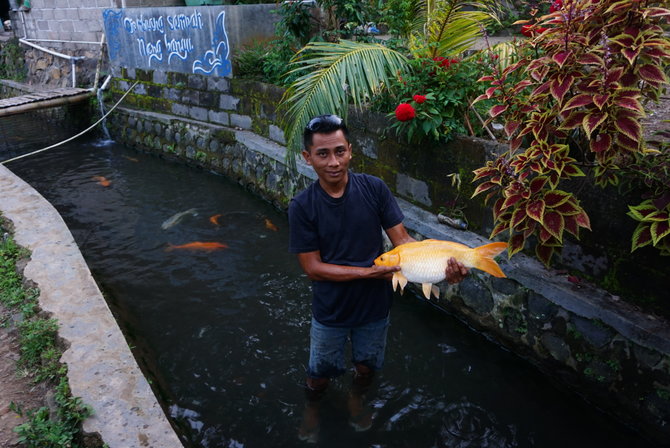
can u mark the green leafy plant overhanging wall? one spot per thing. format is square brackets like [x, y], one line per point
[576, 101]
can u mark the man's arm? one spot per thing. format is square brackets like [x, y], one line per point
[318, 270]
[455, 271]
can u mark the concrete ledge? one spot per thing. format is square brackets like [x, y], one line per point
[101, 368]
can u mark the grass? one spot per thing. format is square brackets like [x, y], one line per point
[39, 357]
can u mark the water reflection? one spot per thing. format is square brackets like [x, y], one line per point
[466, 425]
[224, 335]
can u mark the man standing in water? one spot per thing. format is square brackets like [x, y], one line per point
[335, 230]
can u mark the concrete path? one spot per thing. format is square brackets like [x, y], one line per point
[101, 368]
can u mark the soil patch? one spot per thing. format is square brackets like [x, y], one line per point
[14, 387]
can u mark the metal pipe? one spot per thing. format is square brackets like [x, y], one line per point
[46, 50]
[73, 59]
[64, 41]
[23, 22]
[74, 72]
[104, 84]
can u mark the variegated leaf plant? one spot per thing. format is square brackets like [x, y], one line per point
[574, 100]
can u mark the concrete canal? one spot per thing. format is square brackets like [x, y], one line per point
[222, 335]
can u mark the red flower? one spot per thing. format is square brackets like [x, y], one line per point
[404, 112]
[532, 30]
[556, 5]
[419, 99]
[444, 62]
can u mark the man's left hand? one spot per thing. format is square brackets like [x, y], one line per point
[455, 271]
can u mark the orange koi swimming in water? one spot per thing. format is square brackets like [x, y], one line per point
[198, 245]
[102, 181]
[214, 219]
[270, 226]
[132, 159]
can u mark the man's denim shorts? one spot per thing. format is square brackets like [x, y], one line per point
[326, 353]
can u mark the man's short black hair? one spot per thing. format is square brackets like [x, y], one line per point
[323, 124]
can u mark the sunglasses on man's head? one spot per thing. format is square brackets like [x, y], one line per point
[323, 121]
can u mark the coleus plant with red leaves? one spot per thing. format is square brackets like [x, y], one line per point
[574, 99]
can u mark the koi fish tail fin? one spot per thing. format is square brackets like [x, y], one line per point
[484, 258]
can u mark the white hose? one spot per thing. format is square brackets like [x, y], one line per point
[78, 135]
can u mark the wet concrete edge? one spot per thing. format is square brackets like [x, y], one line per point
[101, 368]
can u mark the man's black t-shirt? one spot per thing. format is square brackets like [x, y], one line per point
[346, 231]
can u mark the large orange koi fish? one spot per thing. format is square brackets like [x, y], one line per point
[425, 262]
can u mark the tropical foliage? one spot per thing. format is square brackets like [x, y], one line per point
[334, 75]
[575, 101]
[337, 74]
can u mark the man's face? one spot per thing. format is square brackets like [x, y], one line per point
[329, 155]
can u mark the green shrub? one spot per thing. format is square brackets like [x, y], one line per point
[12, 61]
[448, 85]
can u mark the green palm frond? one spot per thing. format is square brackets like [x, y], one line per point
[334, 73]
[453, 26]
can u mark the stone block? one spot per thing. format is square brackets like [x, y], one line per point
[160, 77]
[155, 91]
[66, 26]
[180, 109]
[593, 332]
[241, 121]
[43, 25]
[476, 296]
[221, 85]
[276, 134]
[140, 89]
[190, 96]
[130, 73]
[208, 99]
[198, 113]
[504, 285]
[413, 189]
[367, 145]
[556, 347]
[219, 117]
[646, 357]
[540, 308]
[228, 102]
[197, 82]
[172, 94]
[214, 145]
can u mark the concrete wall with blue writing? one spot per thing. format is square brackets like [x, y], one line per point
[186, 40]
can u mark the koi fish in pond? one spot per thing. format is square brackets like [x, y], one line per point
[132, 159]
[214, 219]
[425, 262]
[102, 181]
[197, 245]
[177, 218]
[270, 225]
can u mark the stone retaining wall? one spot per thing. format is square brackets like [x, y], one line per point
[595, 344]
